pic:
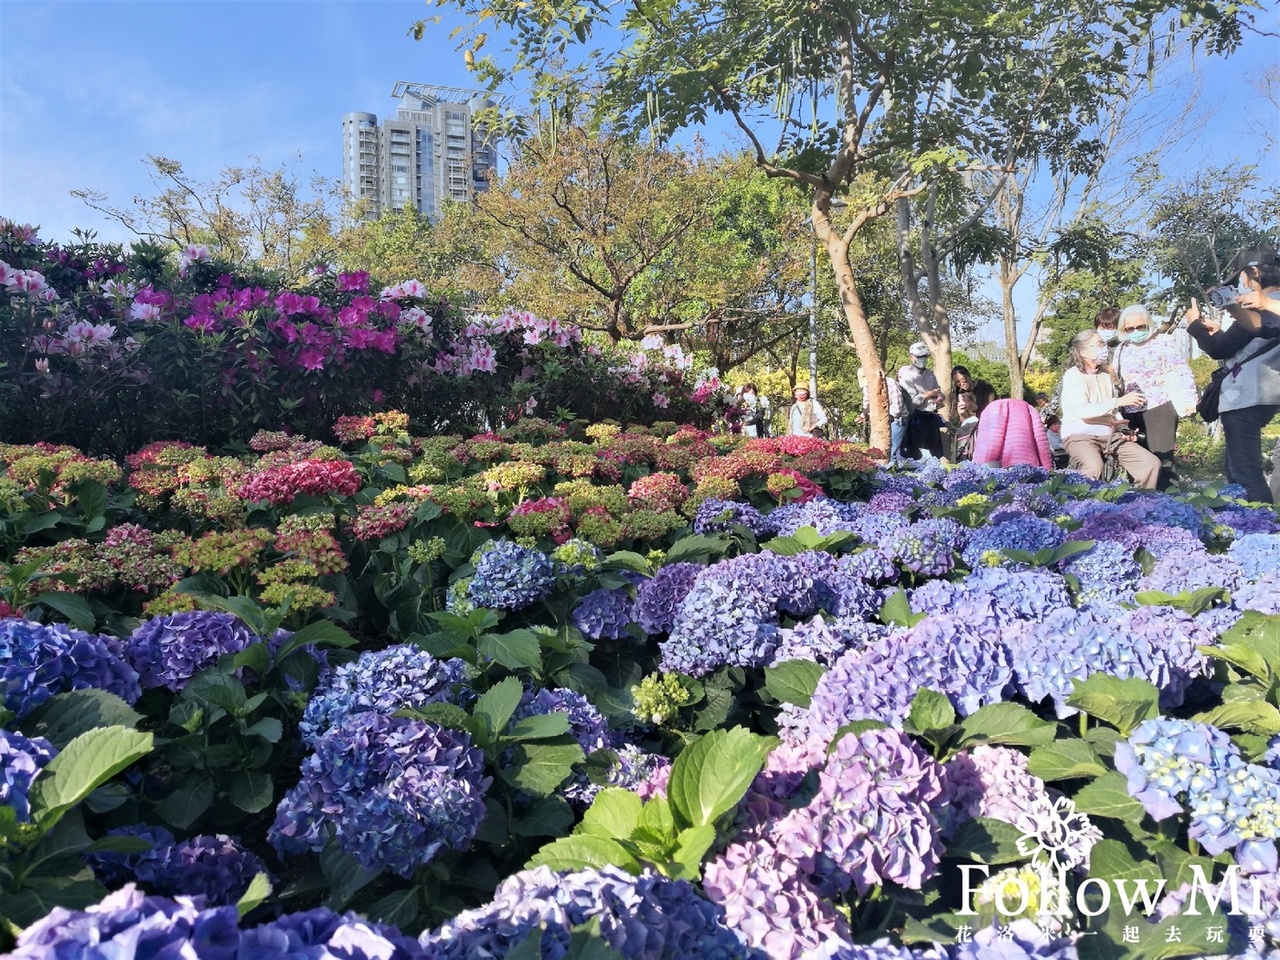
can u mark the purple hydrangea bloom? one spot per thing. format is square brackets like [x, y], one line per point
[605, 613]
[1023, 941]
[1161, 540]
[1247, 520]
[128, 923]
[644, 774]
[648, 917]
[825, 515]
[1177, 572]
[511, 577]
[321, 934]
[397, 678]
[991, 782]
[824, 641]
[587, 725]
[659, 599]
[1175, 638]
[113, 868]
[1256, 554]
[717, 516]
[1148, 508]
[393, 791]
[21, 760]
[38, 661]
[168, 651]
[1263, 595]
[872, 819]
[1023, 532]
[901, 502]
[1107, 576]
[1219, 620]
[926, 547]
[990, 597]
[872, 567]
[214, 867]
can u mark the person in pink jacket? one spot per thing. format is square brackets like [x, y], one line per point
[1009, 432]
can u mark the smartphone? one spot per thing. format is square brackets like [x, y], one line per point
[1222, 296]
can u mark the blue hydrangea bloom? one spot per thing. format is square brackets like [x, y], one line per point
[1107, 576]
[824, 641]
[393, 791]
[1247, 520]
[322, 934]
[1018, 531]
[217, 868]
[605, 613]
[1150, 508]
[21, 760]
[658, 599]
[647, 917]
[511, 577]
[872, 567]
[991, 597]
[825, 515]
[397, 678]
[40, 660]
[168, 651]
[716, 516]
[728, 618]
[112, 868]
[1256, 554]
[925, 547]
[1177, 572]
[1262, 595]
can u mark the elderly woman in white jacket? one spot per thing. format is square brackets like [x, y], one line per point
[1090, 416]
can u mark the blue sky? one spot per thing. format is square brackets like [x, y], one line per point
[88, 89]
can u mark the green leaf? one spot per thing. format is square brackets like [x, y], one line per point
[268, 728]
[1122, 703]
[696, 549]
[541, 767]
[187, 804]
[251, 790]
[1004, 723]
[1065, 760]
[1111, 860]
[245, 609]
[255, 895]
[71, 606]
[656, 821]
[930, 710]
[497, 704]
[548, 817]
[514, 650]
[218, 688]
[627, 560]
[692, 845]
[1188, 601]
[399, 908]
[1252, 716]
[66, 716]
[896, 611]
[711, 776]
[442, 714]
[793, 681]
[1261, 634]
[579, 851]
[345, 875]
[1241, 656]
[614, 814]
[1108, 796]
[586, 943]
[88, 761]
[256, 656]
[539, 727]
[322, 633]
[120, 845]
[985, 841]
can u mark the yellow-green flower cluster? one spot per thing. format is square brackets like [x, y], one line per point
[659, 697]
[426, 551]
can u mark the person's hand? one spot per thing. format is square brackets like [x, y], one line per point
[1134, 399]
[1257, 300]
[1193, 312]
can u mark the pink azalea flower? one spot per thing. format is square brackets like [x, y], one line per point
[356, 280]
[144, 311]
[310, 358]
[660, 400]
[530, 405]
[202, 323]
[532, 337]
[193, 253]
[42, 365]
[484, 359]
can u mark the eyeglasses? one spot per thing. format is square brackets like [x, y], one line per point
[1136, 329]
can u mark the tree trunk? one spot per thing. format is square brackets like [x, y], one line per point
[1011, 353]
[864, 343]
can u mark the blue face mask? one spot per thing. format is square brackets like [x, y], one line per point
[1138, 336]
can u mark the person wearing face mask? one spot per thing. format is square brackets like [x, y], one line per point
[755, 411]
[1153, 365]
[924, 426]
[1106, 321]
[1090, 416]
[1250, 351]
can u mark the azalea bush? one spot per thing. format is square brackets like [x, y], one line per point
[107, 350]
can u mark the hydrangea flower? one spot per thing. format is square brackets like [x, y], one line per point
[1025, 940]
[321, 933]
[647, 917]
[718, 516]
[113, 868]
[1179, 571]
[991, 782]
[393, 791]
[825, 515]
[587, 725]
[1107, 576]
[824, 640]
[216, 868]
[1262, 595]
[872, 567]
[1022, 532]
[21, 760]
[168, 651]
[575, 557]
[658, 599]
[1157, 508]
[1247, 520]
[396, 678]
[40, 660]
[990, 597]
[926, 547]
[511, 577]
[605, 613]
[1256, 554]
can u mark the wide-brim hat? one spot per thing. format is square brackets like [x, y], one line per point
[795, 390]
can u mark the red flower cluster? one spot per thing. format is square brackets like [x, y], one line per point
[374, 523]
[283, 484]
[658, 491]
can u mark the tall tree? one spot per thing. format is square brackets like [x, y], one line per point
[907, 91]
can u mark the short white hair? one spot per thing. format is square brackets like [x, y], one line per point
[1134, 310]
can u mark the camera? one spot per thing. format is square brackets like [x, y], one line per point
[1222, 296]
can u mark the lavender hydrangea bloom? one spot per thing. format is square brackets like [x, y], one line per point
[1247, 520]
[991, 782]
[1162, 540]
[113, 868]
[825, 515]
[168, 651]
[1163, 757]
[1174, 638]
[1256, 554]
[1219, 620]
[1018, 532]
[647, 917]
[128, 923]
[872, 567]
[1148, 508]
[872, 819]
[717, 516]
[926, 547]
[38, 661]
[833, 948]
[397, 678]
[1177, 572]
[990, 597]
[393, 791]
[892, 501]
[511, 577]
[1107, 575]
[659, 599]
[644, 774]
[214, 867]
[1025, 940]
[21, 760]
[605, 613]
[824, 641]
[1262, 596]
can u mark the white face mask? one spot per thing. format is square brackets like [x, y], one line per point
[920, 362]
[1100, 354]
[1109, 336]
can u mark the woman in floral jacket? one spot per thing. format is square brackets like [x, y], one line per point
[1154, 365]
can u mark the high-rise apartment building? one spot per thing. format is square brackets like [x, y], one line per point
[431, 151]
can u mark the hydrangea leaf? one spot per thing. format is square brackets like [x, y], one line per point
[539, 727]
[1242, 657]
[71, 606]
[1108, 796]
[930, 710]
[696, 548]
[399, 908]
[345, 874]
[710, 777]
[88, 761]
[541, 767]
[1260, 633]
[1004, 723]
[68, 715]
[1111, 860]
[322, 633]
[627, 560]
[793, 681]
[614, 813]
[251, 790]
[1252, 716]
[187, 804]
[896, 611]
[586, 943]
[580, 852]
[1065, 760]
[656, 821]
[514, 650]
[548, 817]
[985, 841]
[1122, 703]
[255, 895]
[691, 847]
